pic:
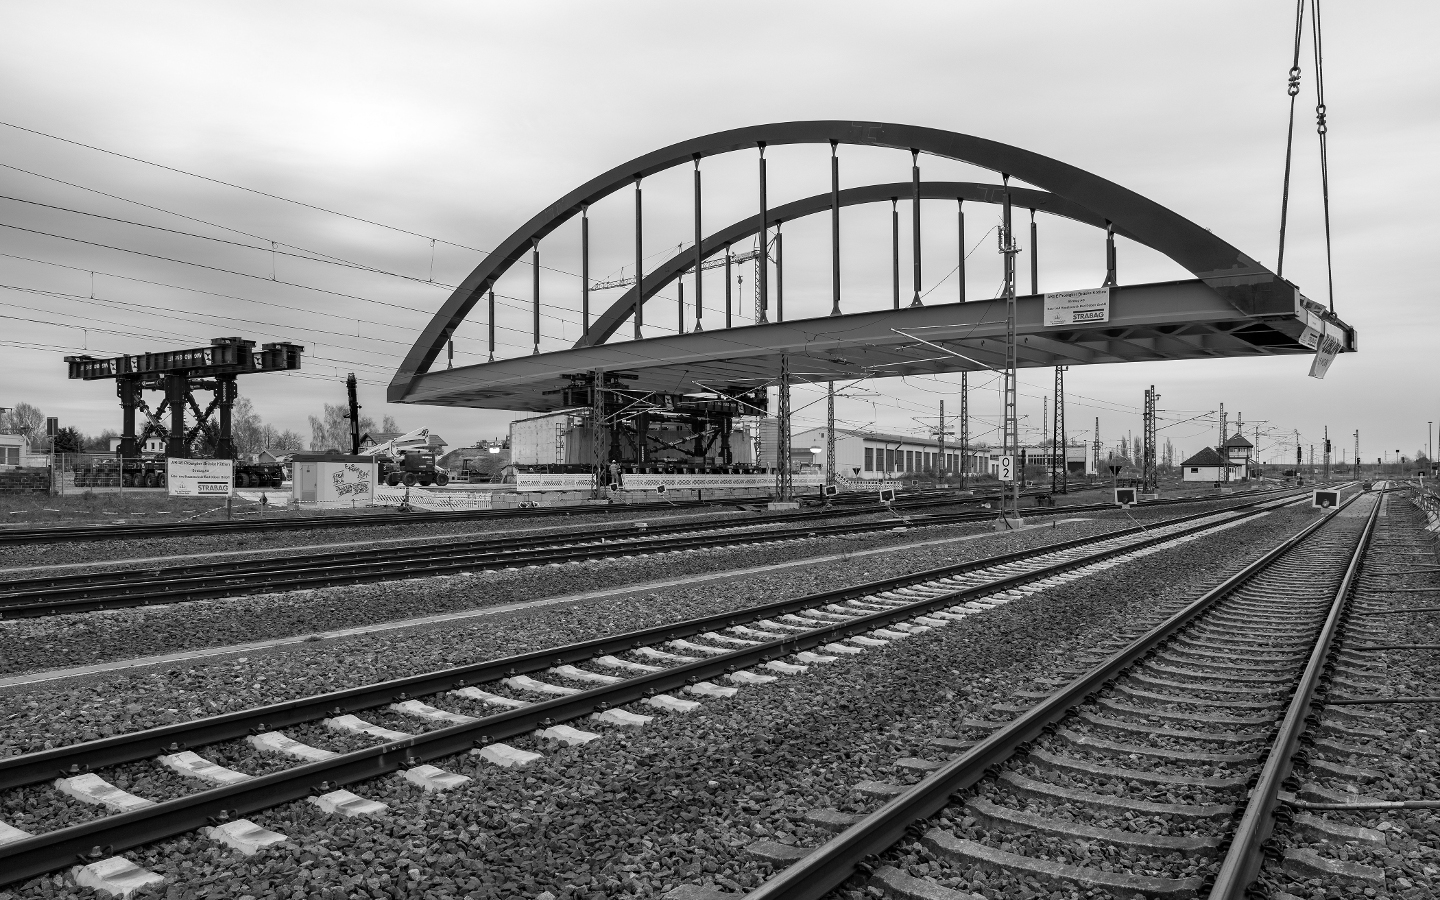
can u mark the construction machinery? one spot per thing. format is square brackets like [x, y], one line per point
[407, 459]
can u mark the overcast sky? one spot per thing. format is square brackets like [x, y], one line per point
[447, 125]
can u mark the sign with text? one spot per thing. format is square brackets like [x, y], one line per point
[1077, 307]
[1007, 468]
[1324, 356]
[200, 477]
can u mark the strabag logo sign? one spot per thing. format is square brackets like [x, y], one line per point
[1077, 307]
[199, 477]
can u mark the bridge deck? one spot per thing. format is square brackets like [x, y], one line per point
[1148, 322]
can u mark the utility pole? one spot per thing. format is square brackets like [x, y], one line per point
[1151, 476]
[598, 440]
[830, 432]
[782, 446]
[1325, 474]
[940, 437]
[1097, 445]
[964, 426]
[1224, 436]
[1011, 508]
[1312, 462]
[1058, 455]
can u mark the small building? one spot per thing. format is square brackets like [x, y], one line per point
[152, 444]
[1238, 452]
[13, 450]
[870, 455]
[333, 480]
[1207, 465]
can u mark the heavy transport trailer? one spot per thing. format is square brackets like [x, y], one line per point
[149, 472]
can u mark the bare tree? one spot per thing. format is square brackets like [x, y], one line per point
[25, 419]
[332, 431]
[388, 424]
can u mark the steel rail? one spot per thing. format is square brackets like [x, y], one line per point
[487, 543]
[76, 758]
[121, 589]
[61, 533]
[1246, 854]
[367, 567]
[102, 837]
[826, 867]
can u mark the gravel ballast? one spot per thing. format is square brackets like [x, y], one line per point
[676, 802]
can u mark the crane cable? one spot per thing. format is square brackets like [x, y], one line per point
[1293, 89]
[1321, 128]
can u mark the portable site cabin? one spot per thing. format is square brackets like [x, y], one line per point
[333, 479]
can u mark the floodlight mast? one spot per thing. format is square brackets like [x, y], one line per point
[1010, 504]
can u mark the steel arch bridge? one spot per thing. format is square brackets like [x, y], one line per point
[1234, 306]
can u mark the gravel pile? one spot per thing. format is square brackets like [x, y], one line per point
[677, 802]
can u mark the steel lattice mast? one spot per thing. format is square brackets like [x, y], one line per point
[1010, 507]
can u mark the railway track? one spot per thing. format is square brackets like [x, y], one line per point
[417, 721]
[120, 588]
[1156, 773]
[137, 531]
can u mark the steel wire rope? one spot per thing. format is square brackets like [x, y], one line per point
[320, 255]
[525, 305]
[262, 278]
[150, 334]
[1293, 89]
[93, 272]
[1321, 128]
[239, 187]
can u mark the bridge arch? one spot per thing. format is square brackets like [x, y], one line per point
[1241, 280]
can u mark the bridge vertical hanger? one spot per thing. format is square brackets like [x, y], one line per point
[639, 262]
[450, 353]
[915, 221]
[491, 299]
[585, 270]
[728, 257]
[1034, 257]
[699, 258]
[834, 229]
[680, 306]
[895, 251]
[779, 274]
[762, 273]
[960, 270]
[535, 292]
[1109, 255]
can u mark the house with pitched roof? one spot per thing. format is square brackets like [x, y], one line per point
[1207, 465]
